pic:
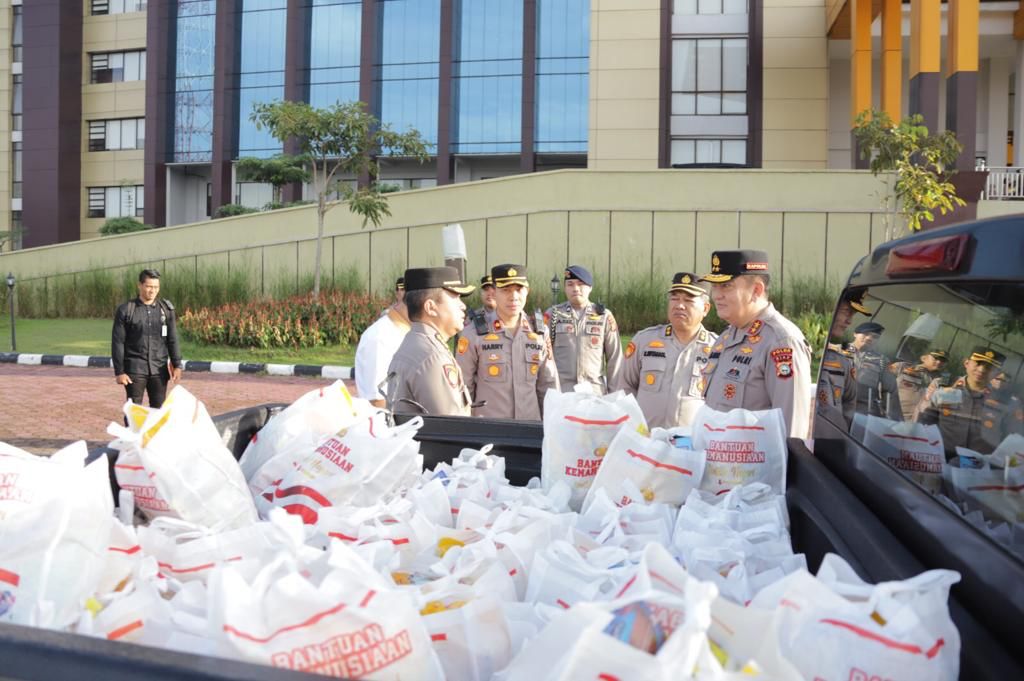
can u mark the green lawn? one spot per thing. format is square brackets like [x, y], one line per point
[92, 337]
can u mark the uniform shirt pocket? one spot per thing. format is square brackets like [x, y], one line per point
[494, 366]
[652, 373]
[734, 382]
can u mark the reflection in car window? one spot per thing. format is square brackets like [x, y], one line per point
[937, 374]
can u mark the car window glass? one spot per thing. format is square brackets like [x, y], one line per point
[932, 380]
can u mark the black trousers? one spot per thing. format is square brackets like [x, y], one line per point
[155, 385]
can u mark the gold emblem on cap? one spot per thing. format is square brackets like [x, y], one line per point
[512, 272]
[990, 354]
[715, 262]
[686, 278]
[568, 274]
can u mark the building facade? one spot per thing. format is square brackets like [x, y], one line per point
[139, 108]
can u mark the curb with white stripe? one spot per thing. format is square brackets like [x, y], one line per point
[316, 371]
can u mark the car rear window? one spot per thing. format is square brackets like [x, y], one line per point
[929, 378]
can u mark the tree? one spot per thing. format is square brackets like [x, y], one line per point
[9, 237]
[923, 164]
[339, 141]
[277, 171]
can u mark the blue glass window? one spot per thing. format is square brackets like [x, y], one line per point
[406, 71]
[334, 45]
[193, 81]
[261, 28]
[563, 67]
[487, 70]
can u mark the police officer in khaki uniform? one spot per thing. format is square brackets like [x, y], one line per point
[663, 363]
[423, 376]
[509, 367]
[584, 335]
[912, 380]
[876, 386]
[837, 380]
[967, 412]
[483, 317]
[761, 360]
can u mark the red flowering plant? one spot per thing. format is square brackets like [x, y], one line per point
[335, 318]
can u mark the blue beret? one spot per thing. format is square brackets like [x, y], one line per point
[579, 272]
[870, 327]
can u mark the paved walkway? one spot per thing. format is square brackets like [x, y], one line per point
[43, 408]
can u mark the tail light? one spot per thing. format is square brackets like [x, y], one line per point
[944, 254]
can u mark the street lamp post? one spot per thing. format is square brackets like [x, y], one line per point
[10, 299]
[556, 286]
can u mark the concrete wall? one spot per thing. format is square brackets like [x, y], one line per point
[624, 84]
[796, 91]
[619, 223]
[109, 33]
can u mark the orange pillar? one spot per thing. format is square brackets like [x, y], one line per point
[860, 68]
[962, 78]
[925, 42]
[892, 58]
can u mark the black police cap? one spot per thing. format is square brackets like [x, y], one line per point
[506, 275]
[422, 278]
[728, 264]
[987, 355]
[870, 327]
[687, 282]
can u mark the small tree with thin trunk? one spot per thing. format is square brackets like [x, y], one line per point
[277, 171]
[342, 140]
[922, 165]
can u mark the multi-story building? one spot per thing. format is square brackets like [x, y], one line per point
[499, 87]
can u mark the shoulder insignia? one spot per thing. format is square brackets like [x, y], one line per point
[755, 328]
[547, 317]
[719, 347]
[783, 358]
[491, 337]
[754, 339]
[463, 345]
[630, 349]
[656, 344]
[707, 349]
[451, 374]
[702, 337]
[497, 325]
[668, 330]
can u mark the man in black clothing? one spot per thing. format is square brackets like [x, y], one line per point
[144, 338]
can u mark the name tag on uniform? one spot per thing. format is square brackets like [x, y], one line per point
[163, 330]
[593, 329]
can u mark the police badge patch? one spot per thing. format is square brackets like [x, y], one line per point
[451, 374]
[783, 358]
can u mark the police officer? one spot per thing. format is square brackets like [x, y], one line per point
[584, 336]
[761, 360]
[663, 363]
[967, 413]
[912, 380]
[143, 341]
[509, 367]
[837, 381]
[876, 386]
[483, 317]
[423, 376]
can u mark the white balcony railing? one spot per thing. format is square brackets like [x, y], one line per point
[1004, 184]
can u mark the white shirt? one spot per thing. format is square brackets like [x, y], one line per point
[377, 346]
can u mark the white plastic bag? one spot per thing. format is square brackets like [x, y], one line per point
[742, 447]
[193, 471]
[914, 448]
[578, 428]
[294, 432]
[663, 473]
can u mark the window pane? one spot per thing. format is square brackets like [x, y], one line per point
[709, 64]
[685, 7]
[140, 133]
[709, 151]
[113, 202]
[684, 65]
[116, 60]
[128, 134]
[709, 104]
[682, 152]
[734, 151]
[735, 7]
[113, 135]
[734, 64]
[684, 105]
[710, 6]
[734, 103]
[116, 6]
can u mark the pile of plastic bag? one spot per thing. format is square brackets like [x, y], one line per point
[330, 549]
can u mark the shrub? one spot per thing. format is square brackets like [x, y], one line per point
[122, 226]
[231, 209]
[336, 318]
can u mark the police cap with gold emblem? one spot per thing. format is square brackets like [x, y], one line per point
[486, 281]
[421, 278]
[939, 354]
[506, 275]
[580, 273]
[728, 264]
[986, 355]
[400, 284]
[856, 300]
[687, 282]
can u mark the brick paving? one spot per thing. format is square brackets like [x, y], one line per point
[43, 408]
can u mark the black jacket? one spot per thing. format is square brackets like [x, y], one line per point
[138, 345]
